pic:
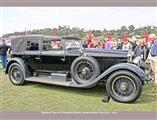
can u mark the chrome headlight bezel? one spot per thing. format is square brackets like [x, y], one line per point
[129, 55]
[136, 60]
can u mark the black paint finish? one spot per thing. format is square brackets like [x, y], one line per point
[61, 59]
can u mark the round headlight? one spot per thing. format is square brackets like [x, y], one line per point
[136, 60]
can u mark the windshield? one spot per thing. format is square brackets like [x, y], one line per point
[72, 44]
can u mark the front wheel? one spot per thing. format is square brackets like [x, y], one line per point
[16, 74]
[124, 86]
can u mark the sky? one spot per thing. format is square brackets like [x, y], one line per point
[18, 18]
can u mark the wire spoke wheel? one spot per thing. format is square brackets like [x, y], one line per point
[124, 86]
[84, 69]
[16, 74]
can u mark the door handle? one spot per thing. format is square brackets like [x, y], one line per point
[62, 59]
[37, 58]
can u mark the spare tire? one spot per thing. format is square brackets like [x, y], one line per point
[84, 69]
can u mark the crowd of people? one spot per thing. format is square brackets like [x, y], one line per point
[98, 43]
[138, 46]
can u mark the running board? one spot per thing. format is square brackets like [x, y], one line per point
[48, 80]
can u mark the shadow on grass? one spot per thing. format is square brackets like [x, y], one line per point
[98, 90]
[147, 95]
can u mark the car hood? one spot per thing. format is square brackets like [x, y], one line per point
[106, 53]
[99, 52]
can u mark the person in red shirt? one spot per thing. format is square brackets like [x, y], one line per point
[90, 45]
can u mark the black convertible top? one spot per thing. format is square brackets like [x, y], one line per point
[15, 38]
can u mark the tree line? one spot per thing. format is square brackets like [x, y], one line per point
[82, 33]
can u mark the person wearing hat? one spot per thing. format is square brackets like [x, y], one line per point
[153, 57]
[3, 53]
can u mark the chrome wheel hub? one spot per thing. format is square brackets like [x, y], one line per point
[85, 70]
[123, 86]
[15, 74]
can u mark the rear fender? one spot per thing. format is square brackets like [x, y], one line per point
[21, 63]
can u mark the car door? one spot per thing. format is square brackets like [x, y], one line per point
[53, 55]
[32, 52]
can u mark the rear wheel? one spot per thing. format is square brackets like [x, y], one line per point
[84, 69]
[124, 86]
[16, 74]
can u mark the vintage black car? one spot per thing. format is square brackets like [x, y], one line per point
[63, 61]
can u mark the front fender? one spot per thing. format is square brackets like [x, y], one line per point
[21, 63]
[121, 66]
[125, 66]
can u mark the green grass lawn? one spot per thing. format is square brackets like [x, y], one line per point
[43, 97]
[0, 66]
